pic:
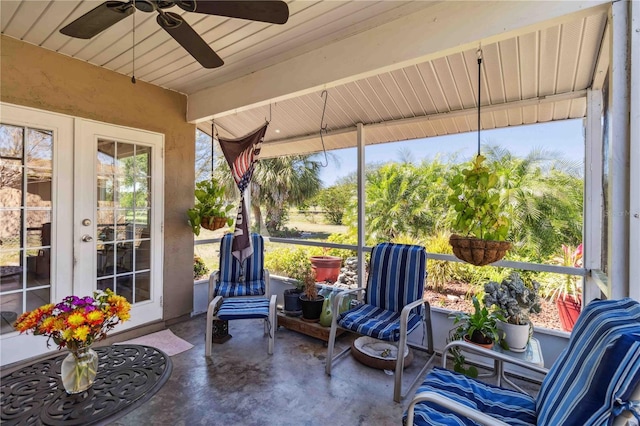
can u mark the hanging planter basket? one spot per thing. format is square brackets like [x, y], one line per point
[478, 252]
[213, 223]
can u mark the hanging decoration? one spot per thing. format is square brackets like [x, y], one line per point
[478, 214]
[241, 155]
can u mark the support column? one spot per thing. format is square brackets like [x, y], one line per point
[634, 142]
[361, 204]
[618, 153]
[593, 194]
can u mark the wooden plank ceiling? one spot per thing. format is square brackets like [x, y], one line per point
[535, 77]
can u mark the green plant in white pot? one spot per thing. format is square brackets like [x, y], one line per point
[516, 300]
[480, 224]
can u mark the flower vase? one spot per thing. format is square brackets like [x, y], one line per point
[79, 369]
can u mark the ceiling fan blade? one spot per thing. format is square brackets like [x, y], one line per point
[98, 19]
[271, 11]
[189, 39]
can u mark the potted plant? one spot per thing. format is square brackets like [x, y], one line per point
[311, 301]
[292, 302]
[566, 290]
[516, 301]
[479, 221]
[210, 210]
[479, 327]
[327, 267]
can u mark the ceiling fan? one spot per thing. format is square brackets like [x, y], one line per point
[111, 12]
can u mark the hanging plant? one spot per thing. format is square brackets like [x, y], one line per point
[211, 210]
[479, 220]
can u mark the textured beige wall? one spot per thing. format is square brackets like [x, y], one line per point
[38, 78]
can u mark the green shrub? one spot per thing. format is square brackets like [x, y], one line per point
[199, 267]
[439, 272]
[289, 262]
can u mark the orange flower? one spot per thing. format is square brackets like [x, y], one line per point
[47, 326]
[76, 320]
[95, 317]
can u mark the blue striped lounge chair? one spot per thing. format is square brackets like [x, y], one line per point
[393, 306]
[594, 381]
[241, 291]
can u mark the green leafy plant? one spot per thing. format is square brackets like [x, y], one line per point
[478, 327]
[210, 204]
[199, 267]
[476, 202]
[288, 262]
[561, 286]
[515, 299]
[439, 272]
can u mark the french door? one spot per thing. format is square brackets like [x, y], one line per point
[80, 210]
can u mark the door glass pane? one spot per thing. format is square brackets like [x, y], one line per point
[124, 239]
[11, 141]
[10, 183]
[106, 153]
[38, 188]
[26, 162]
[38, 150]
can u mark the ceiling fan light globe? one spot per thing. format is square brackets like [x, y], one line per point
[144, 5]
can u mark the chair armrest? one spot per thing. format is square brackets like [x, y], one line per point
[489, 354]
[452, 405]
[404, 314]
[337, 301]
[267, 282]
[213, 278]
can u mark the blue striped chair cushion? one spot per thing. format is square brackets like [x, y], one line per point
[375, 322]
[598, 366]
[251, 288]
[396, 276]
[514, 408]
[236, 279]
[255, 307]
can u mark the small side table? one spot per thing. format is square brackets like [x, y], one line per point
[531, 358]
[532, 354]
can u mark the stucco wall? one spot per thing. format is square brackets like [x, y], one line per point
[38, 78]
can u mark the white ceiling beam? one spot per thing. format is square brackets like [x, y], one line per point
[444, 28]
[453, 114]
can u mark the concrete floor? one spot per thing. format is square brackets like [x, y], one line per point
[243, 385]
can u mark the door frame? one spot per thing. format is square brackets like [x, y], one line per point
[87, 133]
[16, 347]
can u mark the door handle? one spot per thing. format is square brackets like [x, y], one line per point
[87, 238]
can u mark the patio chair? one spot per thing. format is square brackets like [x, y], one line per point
[594, 381]
[241, 291]
[392, 308]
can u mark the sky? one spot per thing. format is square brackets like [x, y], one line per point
[564, 136]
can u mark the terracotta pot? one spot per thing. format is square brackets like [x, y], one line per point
[327, 268]
[569, 308]
[484, 345]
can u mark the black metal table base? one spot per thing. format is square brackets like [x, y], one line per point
[128, 375]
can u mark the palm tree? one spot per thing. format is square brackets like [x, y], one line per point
[281, 182]
[277, 184]
[543, 197]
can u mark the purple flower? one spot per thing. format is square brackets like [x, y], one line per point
[88, 300]
[63, 307]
